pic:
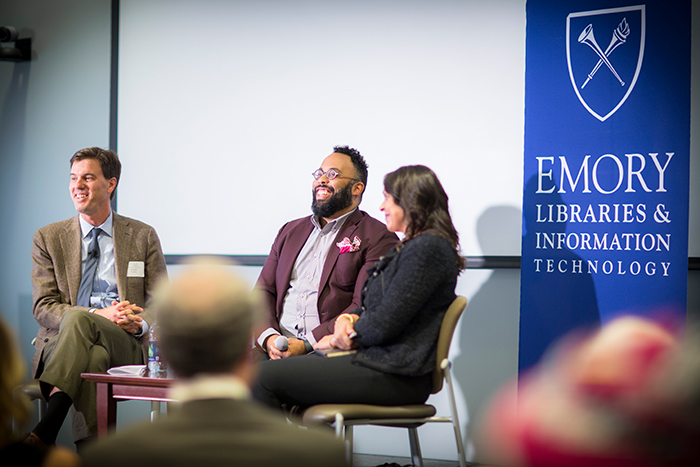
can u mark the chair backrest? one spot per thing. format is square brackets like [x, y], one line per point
[447, 329]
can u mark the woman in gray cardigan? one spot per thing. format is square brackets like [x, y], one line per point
[395, 331]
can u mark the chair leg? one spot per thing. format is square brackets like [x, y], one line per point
[416, 456]
[453, 407]
[339, 425]
[345, 433]
[155, 411]
[348, 444]
[41, 407]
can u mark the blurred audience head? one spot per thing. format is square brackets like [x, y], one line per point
[11, 374]
[205, 317]
[625, 396]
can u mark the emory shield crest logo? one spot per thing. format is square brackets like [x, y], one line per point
[604, 71]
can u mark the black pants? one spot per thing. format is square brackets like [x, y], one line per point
[313, 379]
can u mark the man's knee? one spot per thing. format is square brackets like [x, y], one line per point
[98, 360]
[73, 318]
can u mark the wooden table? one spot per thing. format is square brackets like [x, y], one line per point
[111, 388]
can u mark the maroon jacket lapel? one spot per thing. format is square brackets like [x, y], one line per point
[347, 230]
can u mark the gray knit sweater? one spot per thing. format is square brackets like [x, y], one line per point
[403, 302]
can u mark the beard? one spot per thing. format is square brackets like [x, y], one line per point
[338, 201]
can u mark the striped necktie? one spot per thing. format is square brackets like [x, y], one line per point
[88, 278]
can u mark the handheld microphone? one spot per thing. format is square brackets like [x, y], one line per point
[282, 343]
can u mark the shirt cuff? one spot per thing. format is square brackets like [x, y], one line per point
[265, 334]
[144, 329]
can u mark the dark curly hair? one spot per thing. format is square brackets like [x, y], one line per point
[417, 190]
[108, 159]
[358, 162]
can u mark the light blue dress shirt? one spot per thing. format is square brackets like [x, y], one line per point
[104, 288]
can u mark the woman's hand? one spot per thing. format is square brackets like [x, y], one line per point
[324, 343]
[343, 332]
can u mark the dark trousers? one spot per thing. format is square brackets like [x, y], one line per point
[313, 379]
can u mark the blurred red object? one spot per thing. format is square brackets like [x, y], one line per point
[599, 400]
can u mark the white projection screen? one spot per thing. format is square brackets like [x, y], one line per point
[226, 107]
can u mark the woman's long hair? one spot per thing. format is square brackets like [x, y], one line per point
[11, 373]
[417, 190]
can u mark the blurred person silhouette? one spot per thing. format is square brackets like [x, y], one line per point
[627, 395]
[206, 316]
[12, 451]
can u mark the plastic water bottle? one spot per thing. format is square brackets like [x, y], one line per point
[157, 367]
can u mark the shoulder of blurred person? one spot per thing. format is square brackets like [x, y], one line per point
[218, 432]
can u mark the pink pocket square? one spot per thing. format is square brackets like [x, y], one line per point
[348, 247]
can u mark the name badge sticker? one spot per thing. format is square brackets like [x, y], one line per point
[136, 269]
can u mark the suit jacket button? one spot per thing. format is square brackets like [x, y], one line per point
[46, 340]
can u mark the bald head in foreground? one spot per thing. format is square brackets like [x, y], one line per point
[206, 315]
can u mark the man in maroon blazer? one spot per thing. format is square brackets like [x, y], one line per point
[318, 264]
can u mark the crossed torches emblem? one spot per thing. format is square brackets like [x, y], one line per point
[619, 37]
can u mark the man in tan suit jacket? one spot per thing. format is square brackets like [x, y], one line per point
[206, 316]
[110, 329]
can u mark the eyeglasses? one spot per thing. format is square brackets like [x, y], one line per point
[331, 174]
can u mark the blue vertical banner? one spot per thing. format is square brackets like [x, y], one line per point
[607, 141]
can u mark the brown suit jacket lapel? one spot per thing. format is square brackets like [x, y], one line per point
[122, 252]
[71, 246]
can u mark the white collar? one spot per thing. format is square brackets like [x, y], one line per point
[209, 387]
[86, 227]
